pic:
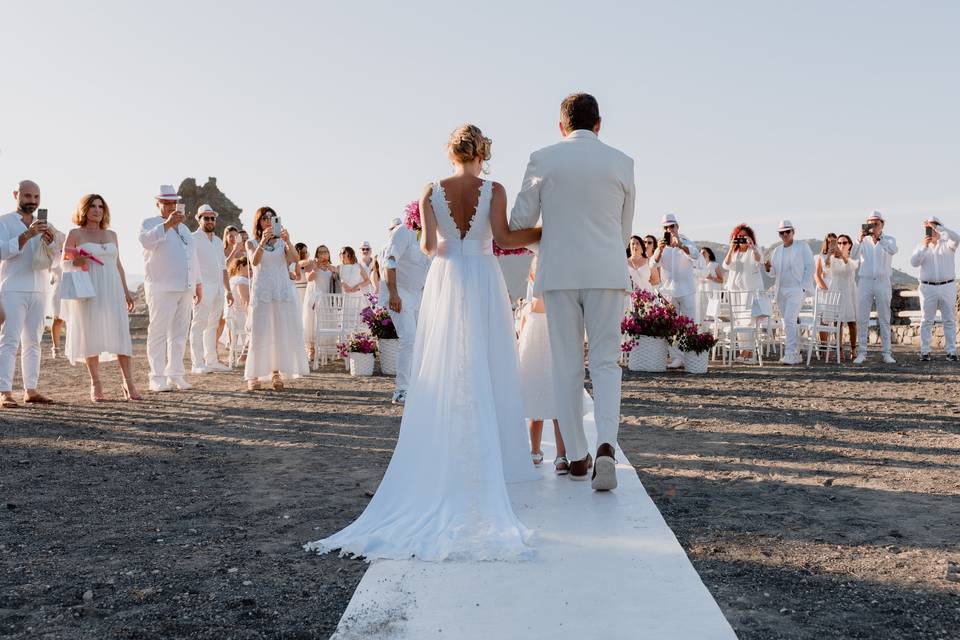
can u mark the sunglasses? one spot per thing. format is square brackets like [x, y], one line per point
[365, 250]
[844, 242]
[669, 227]
[208, 219]
[786, 233]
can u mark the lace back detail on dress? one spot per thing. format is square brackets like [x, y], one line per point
[478, 226]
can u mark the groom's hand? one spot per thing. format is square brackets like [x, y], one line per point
[395, 303]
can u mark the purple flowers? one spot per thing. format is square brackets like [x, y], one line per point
[378, 320]
[498, 251]
[651, 315]
[412, 212]
[360, 342]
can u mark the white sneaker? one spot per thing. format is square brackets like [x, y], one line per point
[676, 363]
[160, 387]
[180, 383]
[860, 359]
[218, 367]
[399, 397]
[201, 370]
[789, 360]
[888, 359]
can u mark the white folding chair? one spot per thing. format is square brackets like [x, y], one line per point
[825, 321]
[744, 324]
[716, 319]
[237, 332]
[327, 327]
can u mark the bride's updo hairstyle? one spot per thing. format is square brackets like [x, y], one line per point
[468, 142]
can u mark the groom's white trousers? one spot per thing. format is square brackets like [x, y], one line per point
[569, 312]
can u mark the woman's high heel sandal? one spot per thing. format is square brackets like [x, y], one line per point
[96, 392]
[277, 382]
[129, 396]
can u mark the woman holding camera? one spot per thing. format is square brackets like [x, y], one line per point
[743, 261]
[276, 333]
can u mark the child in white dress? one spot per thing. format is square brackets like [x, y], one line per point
[536, 379]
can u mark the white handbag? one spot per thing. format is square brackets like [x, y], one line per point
[76, 285]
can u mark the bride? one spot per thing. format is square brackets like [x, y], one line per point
[463, 434]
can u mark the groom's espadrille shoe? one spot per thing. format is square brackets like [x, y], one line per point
[580, 468]
[605, 469]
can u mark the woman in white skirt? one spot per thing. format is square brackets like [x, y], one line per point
[321, 274]
[536, 380]
[275, 350]
[99, 326]
[842, 272]
[236, 314]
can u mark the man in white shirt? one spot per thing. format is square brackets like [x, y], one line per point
[792, 264]
[875, 252]
[366, 263]
[213, 276]
[679, 261]
[405, 272]
[22, 294]
[937, 258]
[171, 284]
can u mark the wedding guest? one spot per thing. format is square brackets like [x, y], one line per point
[649, 246]
[320, 281]
[936, 258]
[639, 265]
[172, 286]
[678, 260]
[354, 280]
[239, 272]
[743, 263]
[303, 260]
[375, 274]
[841, 274]
[54, 300]
[874, 251]
[232, 246]
[401, 289]
[22, 288]
[275, 348]
[536, 379]
[792, 265]
[99, 326]
[366, 262]
[216, 289]
[709, 279]
[820, 275]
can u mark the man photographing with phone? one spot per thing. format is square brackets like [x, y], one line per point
[874, 251]
[172, 286]
[679, 261]
[22, 290]
[936, 257]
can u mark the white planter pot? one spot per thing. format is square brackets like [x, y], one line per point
[649, 354]
[389, 348]
[696, 362]
[361, 364]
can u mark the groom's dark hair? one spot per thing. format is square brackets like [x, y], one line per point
[579, 111]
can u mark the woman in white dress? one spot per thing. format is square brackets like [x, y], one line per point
[842, 272]
[236, 314]
[709, 279]
[275, 350]
[354, 281]
[300, 271]
[99, 326]
[642, 276]
[320, 276]
[462, 435]
[743, 263]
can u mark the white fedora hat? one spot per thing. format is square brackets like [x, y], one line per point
[167, 192]
[396, 222]
[365, 244]
[876, 215]
[933, 220]
[668, 219]
[784, 225]
[205, 208]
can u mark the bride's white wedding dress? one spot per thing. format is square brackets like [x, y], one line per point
[463, 434]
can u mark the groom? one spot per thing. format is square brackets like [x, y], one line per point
[584, 190]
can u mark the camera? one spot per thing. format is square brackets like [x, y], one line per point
[866, 227]
[739, 241]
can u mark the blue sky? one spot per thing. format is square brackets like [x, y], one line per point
[336, 113]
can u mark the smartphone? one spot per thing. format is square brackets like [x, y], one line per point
[277, 228]
[181, 208]
[42, 215]
[866, 228]
[926, 230]
[833, 244]
[666, 237]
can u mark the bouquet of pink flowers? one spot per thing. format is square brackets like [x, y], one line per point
[498, 251]
[378, 320]
[651, 315]
[72, 253]
[360, 342]
[412, 217]
[693, 341]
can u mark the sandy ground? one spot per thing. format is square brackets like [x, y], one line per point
[815, 503]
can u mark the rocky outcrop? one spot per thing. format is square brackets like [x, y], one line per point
[194, 196]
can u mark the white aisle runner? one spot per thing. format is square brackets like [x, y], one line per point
[607, 566]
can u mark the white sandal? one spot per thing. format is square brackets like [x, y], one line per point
[561, 465]
[537, 458]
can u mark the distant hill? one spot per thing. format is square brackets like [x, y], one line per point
[899, 277]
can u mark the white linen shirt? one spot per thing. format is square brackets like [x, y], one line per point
[793, 268]
[412, 264]
[876, 258]
[938, 262]
[678, 270]
[16, 264]
[169, 256]
[210, 260]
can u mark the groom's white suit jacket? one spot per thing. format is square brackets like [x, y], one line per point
[585, 192]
